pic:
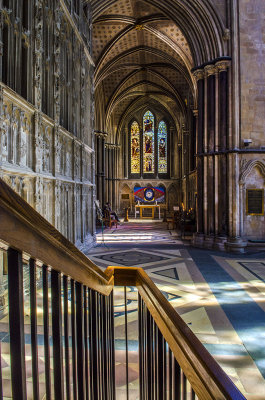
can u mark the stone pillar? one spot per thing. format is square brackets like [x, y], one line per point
[98, 171]
[106, 173]
[110, 174]
[211, 123]
[223, 133]
[113, 152]
[199, 236]
[103, 174]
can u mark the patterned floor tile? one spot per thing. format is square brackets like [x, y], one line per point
[219, 296]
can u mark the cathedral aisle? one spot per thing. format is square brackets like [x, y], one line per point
[220, 296]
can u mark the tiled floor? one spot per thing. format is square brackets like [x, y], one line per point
[220, 296]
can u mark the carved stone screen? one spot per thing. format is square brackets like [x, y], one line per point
[255, 201]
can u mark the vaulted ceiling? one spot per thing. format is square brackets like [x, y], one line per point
[140, 54]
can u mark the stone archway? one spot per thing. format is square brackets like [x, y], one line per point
[252, 178]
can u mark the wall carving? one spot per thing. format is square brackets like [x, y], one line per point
[42, 131]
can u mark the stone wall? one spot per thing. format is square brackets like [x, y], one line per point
[46, 137]
[252, 69]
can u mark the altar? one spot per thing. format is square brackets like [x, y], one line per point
[147, 206]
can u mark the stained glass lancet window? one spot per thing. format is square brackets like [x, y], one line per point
[135, 148]
[162, 148]
[148, 143]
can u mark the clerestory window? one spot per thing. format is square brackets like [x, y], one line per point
[148, 147]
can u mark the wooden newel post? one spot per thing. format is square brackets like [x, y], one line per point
[126, 219]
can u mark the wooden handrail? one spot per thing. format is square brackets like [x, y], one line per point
[24, 229]
[206, 377]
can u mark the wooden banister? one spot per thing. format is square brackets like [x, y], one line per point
[206, 377]
[24, 229]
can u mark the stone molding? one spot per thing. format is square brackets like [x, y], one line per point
[247, 167]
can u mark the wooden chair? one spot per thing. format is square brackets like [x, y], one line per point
[109, 219]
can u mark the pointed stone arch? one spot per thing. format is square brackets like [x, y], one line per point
[248, 167]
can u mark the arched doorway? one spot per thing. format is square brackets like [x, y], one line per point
[176, 61]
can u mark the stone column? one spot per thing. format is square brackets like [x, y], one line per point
[103, 170]
[106, 173]
[110, 174]
[199, 237]
[221, 188]
[210, 148]
[113, 200]
[98, 167]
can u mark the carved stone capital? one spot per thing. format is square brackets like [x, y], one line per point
[210, 70]
[199, 74]
[223, 65]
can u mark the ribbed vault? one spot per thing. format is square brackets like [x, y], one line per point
[147, 49]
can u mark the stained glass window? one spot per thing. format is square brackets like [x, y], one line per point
[148, 143]
[135, 148]
[162, 148]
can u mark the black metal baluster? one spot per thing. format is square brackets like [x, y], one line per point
[99, 347]
[93, 346]
[193, 395]
[86, 333]
[45, 287]
[177, 380]
[112, 346]
[33, 323]
[140, 333]
[57, 335]
[156, 361]
[80, 341]
[149, 354]
[165, 368]
[73, 325]
[145, 354]
[170, 381]
[160, 365]
[184, 386]
[16, 324]
[105, 347]
[66, 338]
[126, 342]
[1, 377]
[108, 355]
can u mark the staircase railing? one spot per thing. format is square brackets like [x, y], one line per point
[57, 326]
